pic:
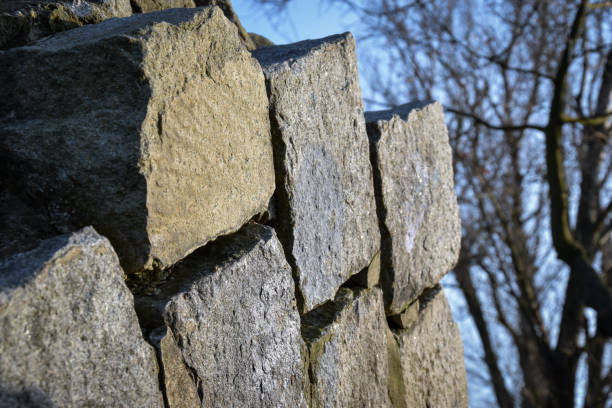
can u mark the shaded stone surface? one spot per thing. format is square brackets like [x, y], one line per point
[347, 351]
[146, 6]
[416, 200]
[325, 196]
[231, 311]
[25, 21]
[69, 333]
[432, 362]
[154, 129]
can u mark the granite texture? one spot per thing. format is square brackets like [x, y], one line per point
[325, 196]
[69, 333]
[347, 355]
[431, 353]
[416, 200]
[230, 310]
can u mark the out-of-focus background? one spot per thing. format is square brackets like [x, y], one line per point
[527, 88]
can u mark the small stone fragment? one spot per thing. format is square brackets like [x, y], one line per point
[416, 200]
[368, 277]
[153, 128]
[346, 341]
[406, 318]
[69, 333]
[25, 21]
[325, 196]
[432, 362]
[230, 310]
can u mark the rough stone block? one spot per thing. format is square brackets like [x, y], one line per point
[431, 355]
[347, 351]
[69, 333]
[25, 21]
[325, 194]
[416, 200]
[154, 129]
[230, 310]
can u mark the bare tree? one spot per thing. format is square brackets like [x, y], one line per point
[527, 86]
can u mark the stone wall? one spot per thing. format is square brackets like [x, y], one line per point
[189, 222]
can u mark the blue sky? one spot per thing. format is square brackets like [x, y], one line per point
[305, 19]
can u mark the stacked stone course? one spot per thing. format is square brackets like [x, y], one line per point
[282, 247]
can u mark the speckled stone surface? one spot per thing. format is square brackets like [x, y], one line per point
[432, 362]
[325, 195]
[347, 351]
[230, 309]
[69, 336]
[416, 199]
[152, 128]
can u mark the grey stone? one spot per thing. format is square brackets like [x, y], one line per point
[230, 309]
[347, 351]
[154, 129]
[69, 332]
[25, 21]
[432, 362]
[325, 195]
[416, 200]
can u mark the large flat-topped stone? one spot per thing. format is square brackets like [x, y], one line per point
[25, 21]
[326, 207]
[417, 204]
[69, 332]
[152, 128]
[347, 351]
[432, 362]
[231, 313]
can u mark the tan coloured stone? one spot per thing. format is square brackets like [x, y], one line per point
[152, 128]
[406, 318]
